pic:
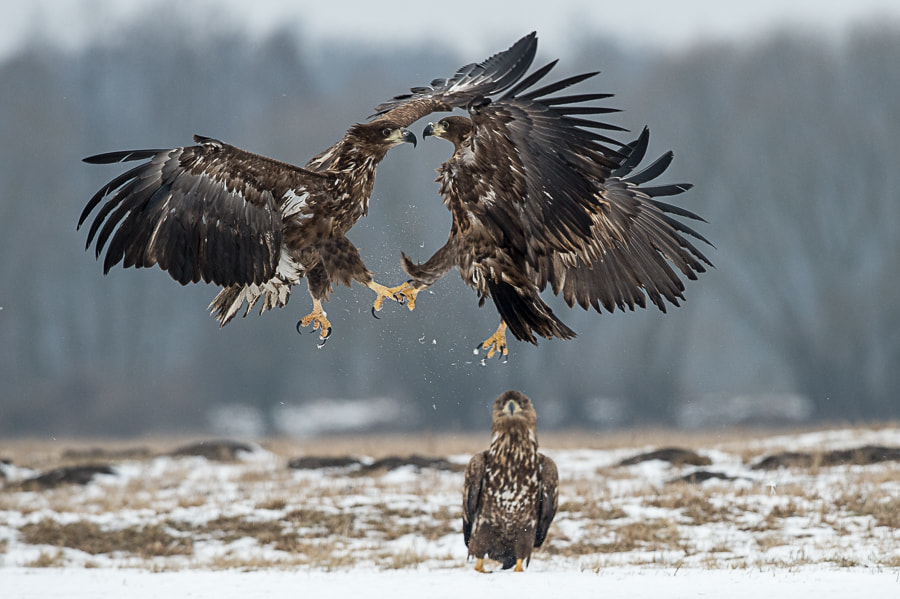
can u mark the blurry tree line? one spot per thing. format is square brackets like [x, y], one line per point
[790, 143]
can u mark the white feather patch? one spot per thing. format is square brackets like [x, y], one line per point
[294, 203]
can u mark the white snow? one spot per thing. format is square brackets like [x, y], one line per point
[20, 583]
[620, 532]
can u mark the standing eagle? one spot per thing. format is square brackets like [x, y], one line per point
[509, 497]
[538, 196]
[256, 226]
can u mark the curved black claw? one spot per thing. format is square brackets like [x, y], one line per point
[299, 323]
[324, 338]
[374, 314]
[501, 357]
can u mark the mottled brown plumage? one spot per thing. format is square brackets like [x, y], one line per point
[538, 197]
[256, 226]
[510, 491]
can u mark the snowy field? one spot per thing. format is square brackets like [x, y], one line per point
[812, 514]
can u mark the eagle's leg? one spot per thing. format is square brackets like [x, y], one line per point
[518, 567]
[496, 343]
[398, 294]
[479, 565]
[319, 320]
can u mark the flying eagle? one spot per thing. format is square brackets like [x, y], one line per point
[510, 492]
[256, 226]
[539, 196]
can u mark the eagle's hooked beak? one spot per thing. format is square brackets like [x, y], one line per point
[408, 136]
[437, 129]
[512, 407]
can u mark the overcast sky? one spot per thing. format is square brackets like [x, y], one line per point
[473, 25]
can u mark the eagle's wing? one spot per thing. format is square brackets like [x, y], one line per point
[545, 162]
[548, 499]
[209, 211]
[472, 493]
[635, 241]
[491, 76]
[554, 190]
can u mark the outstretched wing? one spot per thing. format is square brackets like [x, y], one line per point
[635, 246]
[209, 211]
[491, 76]
[561, 194]
[472, 493]
[548, 500]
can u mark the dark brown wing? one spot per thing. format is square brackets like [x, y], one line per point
[544, 162]
[491, 76]
[549, 499]
[209, 211]
[634, 243]
[472, 493]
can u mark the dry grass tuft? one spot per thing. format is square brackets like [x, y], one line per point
[145, 541]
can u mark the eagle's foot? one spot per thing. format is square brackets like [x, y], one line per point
[496, 344]
[399, 294]
[406, 293]
[479, 565]
[518, 567]
[319, 321]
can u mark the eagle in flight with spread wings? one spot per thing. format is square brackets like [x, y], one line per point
[256, 226]
[539, 196]
[510, 492]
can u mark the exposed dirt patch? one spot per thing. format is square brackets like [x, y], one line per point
[860, 456]
[674, 455]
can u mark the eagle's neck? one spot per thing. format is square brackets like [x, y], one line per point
[514, 444]
[357, 163]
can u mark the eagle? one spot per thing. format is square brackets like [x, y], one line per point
[257, 226]
[540, 196]
[510, 491]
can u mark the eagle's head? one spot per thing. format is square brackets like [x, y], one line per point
[381, 135]
[455, 129]
[513, 410]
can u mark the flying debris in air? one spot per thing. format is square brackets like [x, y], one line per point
[538, 197]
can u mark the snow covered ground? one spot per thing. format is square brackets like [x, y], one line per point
[188, 526]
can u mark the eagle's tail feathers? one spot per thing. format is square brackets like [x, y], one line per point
[526, 316]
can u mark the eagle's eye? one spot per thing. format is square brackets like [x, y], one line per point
[386, 132]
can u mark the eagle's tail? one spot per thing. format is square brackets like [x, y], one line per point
[507, 558]
[526, 315]
[274, 293]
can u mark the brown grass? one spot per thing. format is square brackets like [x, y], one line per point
[145, 541]
[332, 521]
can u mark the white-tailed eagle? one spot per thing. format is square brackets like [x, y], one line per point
[538, 197]
[256, 226]
[510, 493]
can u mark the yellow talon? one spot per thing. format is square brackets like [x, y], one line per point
[407, 292]
[479, 566]
[381, 292]
[318, 319]
[401, 293]
[518, 567]
[496, 342]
